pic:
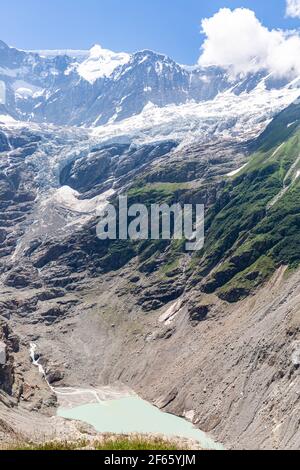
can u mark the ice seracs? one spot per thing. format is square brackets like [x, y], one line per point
[227, 116]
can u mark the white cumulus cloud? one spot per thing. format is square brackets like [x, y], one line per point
[237, 40]
[293, 8]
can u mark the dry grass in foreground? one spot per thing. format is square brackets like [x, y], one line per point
[109, 443]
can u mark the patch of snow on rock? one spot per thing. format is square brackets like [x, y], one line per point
[24, 90]
[170, 314]
[235, 172]
[69, 198]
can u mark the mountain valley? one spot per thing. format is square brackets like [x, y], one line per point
[212, 336]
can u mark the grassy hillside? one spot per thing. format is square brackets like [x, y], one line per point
[254, 226]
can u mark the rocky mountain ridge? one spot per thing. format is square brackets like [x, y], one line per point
[103, 87]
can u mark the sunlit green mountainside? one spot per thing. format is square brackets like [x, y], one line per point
[251, 229]
[252, 218]
[254, 226]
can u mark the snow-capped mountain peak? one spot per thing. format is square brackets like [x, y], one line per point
[104, 88]
[101, 63]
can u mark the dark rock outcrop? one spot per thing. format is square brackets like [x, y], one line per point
[9, 344]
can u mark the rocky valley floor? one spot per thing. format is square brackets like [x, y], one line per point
[234, 376]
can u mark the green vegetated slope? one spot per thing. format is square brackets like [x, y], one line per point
[251, 229]
[114, 254]
[254, 226]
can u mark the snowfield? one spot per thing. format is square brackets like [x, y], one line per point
[69, 198]
[227, 116]
[101, 63]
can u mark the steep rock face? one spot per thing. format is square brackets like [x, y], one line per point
[9, 344]
[17, 191]
[4, 146]
[20, 383]
[111, 163]
[27, 405]
[26, 75]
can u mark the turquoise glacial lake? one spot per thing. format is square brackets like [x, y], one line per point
[134, 415]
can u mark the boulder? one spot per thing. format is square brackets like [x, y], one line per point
[198, 313]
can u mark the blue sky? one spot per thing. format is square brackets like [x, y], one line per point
[168, 26]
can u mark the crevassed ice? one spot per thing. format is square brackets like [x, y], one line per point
[227, 116]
